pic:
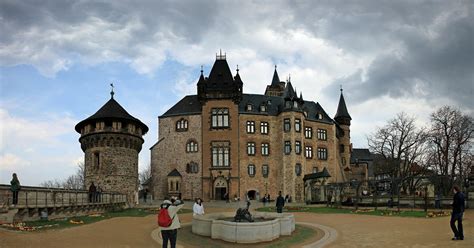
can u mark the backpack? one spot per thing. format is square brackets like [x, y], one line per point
[164, 219]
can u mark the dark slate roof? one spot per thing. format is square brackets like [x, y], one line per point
[190, 105]
[316, 175]
[111, 110]
[360, 155]
[220, 72]
[174, 173]
[342, 109]
[276, 79]
[187, 106]
[289, 92]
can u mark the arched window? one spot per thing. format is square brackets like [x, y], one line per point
[182, 125]
[192, 146]
[192, 167]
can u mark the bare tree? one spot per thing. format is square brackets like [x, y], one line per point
[144, 175]
[401, 145]
[450, 136]
[75, 181]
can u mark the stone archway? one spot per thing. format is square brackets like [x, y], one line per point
[221, 187]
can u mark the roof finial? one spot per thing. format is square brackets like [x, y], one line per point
[201, 69]
[237, 69]
[112, 91]
[341, 88]
[289, 77]
[275, 67]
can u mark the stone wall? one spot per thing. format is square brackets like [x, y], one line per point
[170, 153]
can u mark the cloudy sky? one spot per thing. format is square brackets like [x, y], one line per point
[57, 59]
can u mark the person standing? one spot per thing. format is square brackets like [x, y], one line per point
[198, 207]
[171, 232]
[92, 191]
[15, 188]
[280, 203]
[456, 215]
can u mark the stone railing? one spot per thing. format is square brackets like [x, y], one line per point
[40, 197]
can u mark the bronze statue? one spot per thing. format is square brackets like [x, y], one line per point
[243, 214]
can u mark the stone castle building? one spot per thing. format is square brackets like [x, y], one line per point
[222, 141]
[111, 140]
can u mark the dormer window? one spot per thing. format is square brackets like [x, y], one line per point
[249, 107]
[182, 125]
[263, 108]
[319, 116]
[295, 104]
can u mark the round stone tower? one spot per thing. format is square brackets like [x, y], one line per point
[111, 140]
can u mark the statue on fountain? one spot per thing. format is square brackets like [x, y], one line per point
[243, 214]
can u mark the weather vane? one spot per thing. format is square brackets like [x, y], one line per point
[112, 90]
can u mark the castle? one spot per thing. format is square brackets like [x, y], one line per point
[224, 143]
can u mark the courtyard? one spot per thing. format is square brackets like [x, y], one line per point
[353, 230]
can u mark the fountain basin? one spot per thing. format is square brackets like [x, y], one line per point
[268, 227]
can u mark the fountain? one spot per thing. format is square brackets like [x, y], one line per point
[244, 227]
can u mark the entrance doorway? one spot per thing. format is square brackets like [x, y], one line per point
[220, 193]
[252, 194]
[220, 188]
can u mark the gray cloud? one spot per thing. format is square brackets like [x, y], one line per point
[436, 63]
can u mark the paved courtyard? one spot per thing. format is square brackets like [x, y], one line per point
[353, 231]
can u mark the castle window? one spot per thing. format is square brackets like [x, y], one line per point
[315, 169]
[298, 169]
[308, 132]
[308, 152]
[322, 134]
[265, 149]
[192, 146]
[286, 125]
[265, 170]
[341, 148]
[264, 127]
[96, 160]
[250, 148]
[251, 170]
[298, 147]
[192, 167]
[249, 107]
[295, 104]
[322, 153]
[182, 125]
[250, 126]
[263, 108]
[287, 147]
[220, 156]
[298, 125]
[220, 117]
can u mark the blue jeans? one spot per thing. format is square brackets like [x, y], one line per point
[170, 235]
[458, 233]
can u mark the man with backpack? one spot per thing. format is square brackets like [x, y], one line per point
[168, 221]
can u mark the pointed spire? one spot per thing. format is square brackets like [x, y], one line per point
[301, 96]
[112, 91]
[276, 79]
[289, 92]
[342, 115]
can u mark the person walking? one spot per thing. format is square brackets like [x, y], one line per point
[198, 207]
[170, 233]
[15, 188]
[280, 203]
[456, 215]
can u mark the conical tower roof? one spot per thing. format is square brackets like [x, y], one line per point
[276, 79]
[342, 115]
[111, 110]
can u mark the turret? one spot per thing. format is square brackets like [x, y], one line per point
[111, 140]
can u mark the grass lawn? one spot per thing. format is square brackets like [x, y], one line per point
[81, 220]
[328, 210]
